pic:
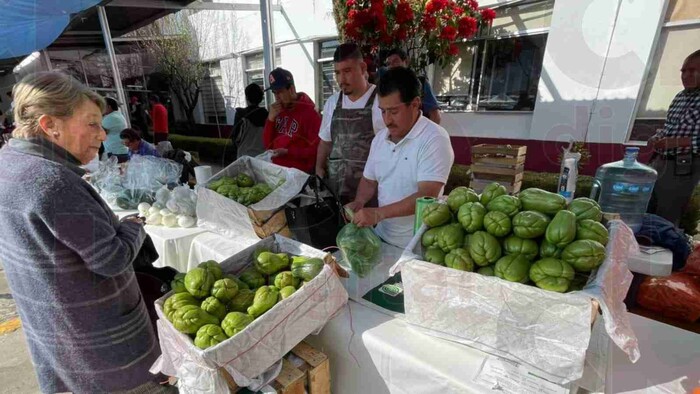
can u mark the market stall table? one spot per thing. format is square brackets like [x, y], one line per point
[172, 243]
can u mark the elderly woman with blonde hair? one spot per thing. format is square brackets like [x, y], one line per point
[67, 258]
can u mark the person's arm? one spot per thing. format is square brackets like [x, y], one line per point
[324, 150]
[367, 217]
[430, 103]
[324, 134]
[81, 223]
[435, 116]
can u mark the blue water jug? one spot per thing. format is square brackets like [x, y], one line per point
[625, 187]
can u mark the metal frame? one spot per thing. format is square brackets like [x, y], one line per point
[113, 62]
[197, 5]
[268, 36]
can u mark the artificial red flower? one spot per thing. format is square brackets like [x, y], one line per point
[453, 50]
[488, 14]
[400, 34]
[352, 15]
[351, 3]
[467, 26]
[434, 6]
[448, 33]
[429, 22]
[473, 4]
[404, 13]
[457, 10]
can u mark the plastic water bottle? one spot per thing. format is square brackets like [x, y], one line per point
[625, 187]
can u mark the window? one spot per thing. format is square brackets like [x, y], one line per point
[500, 69]
[212, 88]
[326, 85]
[255, 67]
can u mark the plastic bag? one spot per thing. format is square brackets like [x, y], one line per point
[676, 296]
[361, 248]
[151, 173]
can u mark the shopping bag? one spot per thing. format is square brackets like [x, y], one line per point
[315, 220]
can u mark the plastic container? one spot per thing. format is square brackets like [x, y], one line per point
[421, 203]
[625, 187]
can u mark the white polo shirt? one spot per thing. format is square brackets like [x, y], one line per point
[328, 109]
[424, 155]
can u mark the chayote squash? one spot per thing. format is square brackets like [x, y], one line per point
[534, 199]
[214, 307]
[459, 259]
[585, 208]
[189, 318]
[265, 298]
[284, 279]
[287, 291]
[507, 204]
[460, 196]
[497, 223]
[471, 216]
[429, 237]
[213, 267]
[486, 271]
[252, 278]
[224, 290]
[434, 255]
[177, 301]
[484, 248]
[241, 301]
[450, 237]
[513, 268]
[199, 282]
[530, 224]
[235, 322]
[562, 229]
[436, 214]
[552, 274]
[305, 268]
[549, 250]
[239, 283]
[584, 255]
[209, 335]
[492, 191]
[590, 229]
[244, 180]
[178, 283]
[268, 263]
[525, 247]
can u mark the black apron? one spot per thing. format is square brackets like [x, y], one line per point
[352, 132]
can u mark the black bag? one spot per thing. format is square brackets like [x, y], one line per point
[316, 224]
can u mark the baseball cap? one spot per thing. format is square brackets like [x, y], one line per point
[280, 79]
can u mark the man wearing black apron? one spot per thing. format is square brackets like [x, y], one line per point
[350, 120]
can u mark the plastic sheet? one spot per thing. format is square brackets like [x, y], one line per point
[264, 342]
[548, 331]
[676, 296]
[227, 217]
[150, 173]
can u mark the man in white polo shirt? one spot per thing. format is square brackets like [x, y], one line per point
[409, 159]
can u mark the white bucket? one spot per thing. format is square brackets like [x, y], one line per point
[202, 174]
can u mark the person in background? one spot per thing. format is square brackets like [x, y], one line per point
[67, 257]
[138, 114]
[159, 116]
[291, 129]
[677, 147]
[351, 118]
[397, 57]
[136, 145]
[410, 158]
[248, 124]
[113, 123]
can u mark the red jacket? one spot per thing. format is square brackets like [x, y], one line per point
[160, 118]
[295, 129]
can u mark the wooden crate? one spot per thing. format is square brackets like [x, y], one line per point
[504, 164]
[266, 223]
[304, 370]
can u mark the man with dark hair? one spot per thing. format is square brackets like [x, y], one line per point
[138, 114]
[114, 122]
[137, 146]
[159, 116]
[351, 118]
[410, 158]
[248, 124]
[291, 130]
[397, 57]
[677, 147]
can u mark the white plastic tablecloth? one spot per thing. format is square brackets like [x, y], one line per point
[172, 244]
[211, 246]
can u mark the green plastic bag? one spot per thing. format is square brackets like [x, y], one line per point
[361, 248]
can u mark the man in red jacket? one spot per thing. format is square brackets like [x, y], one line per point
[291, 129]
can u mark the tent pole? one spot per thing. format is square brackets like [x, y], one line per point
[107, 35]
[47, 59]
[268, 36]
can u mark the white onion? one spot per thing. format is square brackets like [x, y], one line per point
[153, 210]
[169, 221]
[143, 208]
[186, 221]
[154, 219]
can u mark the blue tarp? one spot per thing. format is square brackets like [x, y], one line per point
[27, 26]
